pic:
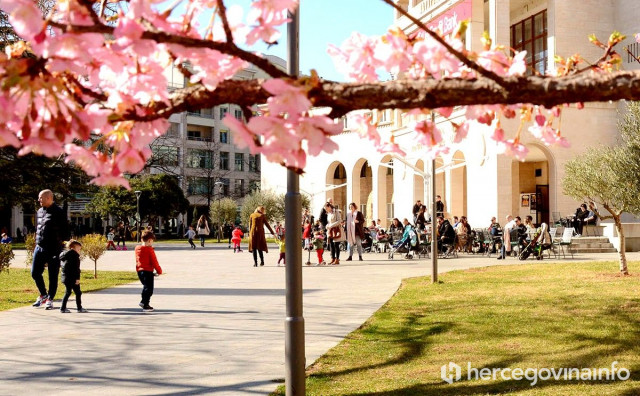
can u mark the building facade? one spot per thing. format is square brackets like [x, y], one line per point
[473, 179]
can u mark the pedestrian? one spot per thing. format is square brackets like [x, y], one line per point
[257, 239]
[110, 237]
[190, 234]
[279, 228]
[203, 229]
[122, 235]
[70, 265]
[318, 244]
[355, 230]
[52, 229]
[228, 232]
[439, 207]
[236, 238]
[146, 262]
[506, 237]
[306, 235]
[323, 221]
[283, 249]
[335, 232]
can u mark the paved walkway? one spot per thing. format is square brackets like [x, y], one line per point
[218, 328]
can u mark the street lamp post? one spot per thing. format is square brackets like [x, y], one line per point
[138, 194]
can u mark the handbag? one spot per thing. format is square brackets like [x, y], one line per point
[203, 231]
[335, 232]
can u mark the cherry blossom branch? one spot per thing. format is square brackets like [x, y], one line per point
[222, 12]
[406, 94]
[461, 57]
[631, 54]
[191, 42]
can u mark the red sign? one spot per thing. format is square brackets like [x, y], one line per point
[447, 21]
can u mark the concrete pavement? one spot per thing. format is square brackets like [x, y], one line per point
[218, 327]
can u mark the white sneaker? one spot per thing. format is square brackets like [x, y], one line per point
[48, 304]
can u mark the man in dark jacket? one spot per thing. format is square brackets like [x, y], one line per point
[70, 264]
[51, 231]
[447, 234]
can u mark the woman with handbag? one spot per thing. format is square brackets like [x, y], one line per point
[335, 232]
[203, 229]
[257, 239]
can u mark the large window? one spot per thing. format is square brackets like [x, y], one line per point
[197, 185]
[224, 136]
[223, 112]
[225, 187]
[239, 161]
[531, 35]
[166, 155]
[238, 188]
[238, 114]
[254, 163]
[224, 160]
[200, 159]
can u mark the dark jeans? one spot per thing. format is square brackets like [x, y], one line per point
[255, 256]
[191, 242]
[40, 257]
[202, 240]
[122, 239]
[335, 249]
[76, 289]
[146, 278]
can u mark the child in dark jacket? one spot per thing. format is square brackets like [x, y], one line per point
[146, 262]
[70, 265]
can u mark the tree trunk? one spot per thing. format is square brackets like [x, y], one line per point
[95, 269]
[621, 246]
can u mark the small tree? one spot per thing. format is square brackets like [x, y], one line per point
[608, 176]
[6, 255]
[30, 245]
[223, 211]
[271, 201]
[93, 247]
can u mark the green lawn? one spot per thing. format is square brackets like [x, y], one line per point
[577, 315]
[17, 288]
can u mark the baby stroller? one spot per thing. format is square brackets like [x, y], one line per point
[382, 242]
[407, 245]
[367, 241]
[540, 241]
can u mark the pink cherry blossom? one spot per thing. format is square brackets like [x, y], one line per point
[288, 99]
[25, 17]
[514, 148]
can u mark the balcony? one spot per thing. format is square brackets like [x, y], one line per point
[420, 8]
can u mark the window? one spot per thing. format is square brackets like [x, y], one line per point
[197, 185]
[383, 115]
[238, 114]
[223, 112]
[390, 168]
[254, 185]
[363, 209]
[254, 163]
[239, 161]
[238, 188]
[224, 161]
[224, 136]
[225, 187]
[194, 135]
[531, 35]
[166, 155]
[390, 214]
[200, 159]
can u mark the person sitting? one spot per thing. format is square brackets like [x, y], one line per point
[447, 236]
[5, 239]
[583, 216]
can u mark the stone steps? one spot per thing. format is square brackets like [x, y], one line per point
[592, 245]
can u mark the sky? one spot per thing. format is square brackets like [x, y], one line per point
[324, 22]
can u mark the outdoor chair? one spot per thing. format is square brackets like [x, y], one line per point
[554, 244]
[567, 235]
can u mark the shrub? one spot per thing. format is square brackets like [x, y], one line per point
[93, 247]
[30, 245]
[6, 255]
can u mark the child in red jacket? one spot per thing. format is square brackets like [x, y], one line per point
[236, 238]
[146, 262]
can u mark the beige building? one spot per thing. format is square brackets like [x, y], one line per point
[473, 179]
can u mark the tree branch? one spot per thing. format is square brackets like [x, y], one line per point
[405, 94]
[465, 60]
[190, 42]
[222, 12]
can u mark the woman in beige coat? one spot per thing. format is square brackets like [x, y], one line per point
[334, 221]
[257, 239]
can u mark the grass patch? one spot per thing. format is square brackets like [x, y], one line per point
[530, 316]
[17, 288]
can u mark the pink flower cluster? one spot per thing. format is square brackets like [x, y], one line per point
[287, 131]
